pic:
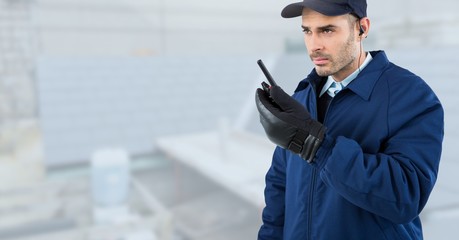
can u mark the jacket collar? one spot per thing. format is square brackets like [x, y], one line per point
[363, 84]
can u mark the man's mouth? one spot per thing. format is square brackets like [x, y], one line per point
[320, 61]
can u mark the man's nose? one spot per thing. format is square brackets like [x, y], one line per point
[314, 43]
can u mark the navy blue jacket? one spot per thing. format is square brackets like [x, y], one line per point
[375, 170]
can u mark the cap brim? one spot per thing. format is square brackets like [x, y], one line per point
[330, 9]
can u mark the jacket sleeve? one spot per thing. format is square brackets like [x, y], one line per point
[396, 182]
[273, 213]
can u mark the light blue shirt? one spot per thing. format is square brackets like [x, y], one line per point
[349, 78]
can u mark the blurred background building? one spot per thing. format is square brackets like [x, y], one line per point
[158, 96]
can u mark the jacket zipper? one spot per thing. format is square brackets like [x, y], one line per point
[314, 174]
[313, 177]
[310, 205]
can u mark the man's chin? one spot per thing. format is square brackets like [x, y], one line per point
[321, 71]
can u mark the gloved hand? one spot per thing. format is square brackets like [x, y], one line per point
[287, 123]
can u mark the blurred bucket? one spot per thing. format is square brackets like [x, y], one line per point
[110, 180]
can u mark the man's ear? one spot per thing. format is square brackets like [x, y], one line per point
[364, 27]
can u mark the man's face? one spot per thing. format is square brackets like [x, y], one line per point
[331, 43]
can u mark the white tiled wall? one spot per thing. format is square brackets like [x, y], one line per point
[88, 103]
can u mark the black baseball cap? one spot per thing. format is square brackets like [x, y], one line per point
[327, 7]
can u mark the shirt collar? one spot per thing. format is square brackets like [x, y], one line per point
[349, 78]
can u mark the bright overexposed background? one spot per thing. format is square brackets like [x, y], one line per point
[135, 120]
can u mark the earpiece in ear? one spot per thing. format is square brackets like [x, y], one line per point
[361, 31]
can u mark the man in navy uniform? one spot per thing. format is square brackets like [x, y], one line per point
[359, 142]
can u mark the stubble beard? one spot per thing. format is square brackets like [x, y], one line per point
[342, 62]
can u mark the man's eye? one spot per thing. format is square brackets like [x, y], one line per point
[306, 31]
[327, 31]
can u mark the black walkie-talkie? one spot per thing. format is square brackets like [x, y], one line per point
[267, 87]
[268, 76]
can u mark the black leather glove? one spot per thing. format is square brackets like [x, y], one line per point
[287, 123]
